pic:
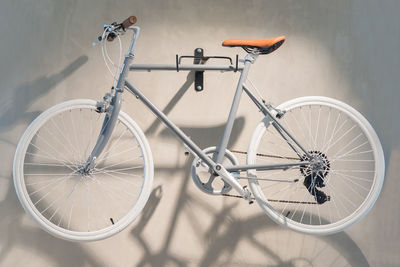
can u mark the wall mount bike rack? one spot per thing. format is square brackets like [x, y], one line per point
[198, 66]
[199, 58]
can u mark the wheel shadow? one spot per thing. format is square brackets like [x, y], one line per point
[279, 246]
[230, 237]
[229, 234]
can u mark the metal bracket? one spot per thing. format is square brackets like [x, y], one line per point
[200, 59]
[198, 75]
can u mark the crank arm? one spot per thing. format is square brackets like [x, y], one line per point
[229, 179]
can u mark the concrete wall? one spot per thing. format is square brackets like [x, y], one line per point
[342, 49]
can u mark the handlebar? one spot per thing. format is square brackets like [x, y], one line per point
[114, 29]
[129, 22]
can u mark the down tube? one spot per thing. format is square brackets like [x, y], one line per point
[181, 135]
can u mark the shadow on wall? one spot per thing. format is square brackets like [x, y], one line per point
[171, 104]
[226, 240]
[14, 108]
[19, 234]
[229, 238]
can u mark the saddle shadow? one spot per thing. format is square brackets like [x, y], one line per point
[205, 136]
[186, 85]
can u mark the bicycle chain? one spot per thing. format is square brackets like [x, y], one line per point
[271, 200]
[276, 200]
[264, 155]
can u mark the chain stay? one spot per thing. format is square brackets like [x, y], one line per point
[271, 200]
[277, 200]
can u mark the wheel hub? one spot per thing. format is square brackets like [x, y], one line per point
[82, 170]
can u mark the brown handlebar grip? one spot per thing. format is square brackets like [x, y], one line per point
[129, 22]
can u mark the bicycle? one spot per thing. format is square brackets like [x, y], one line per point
[83, 169]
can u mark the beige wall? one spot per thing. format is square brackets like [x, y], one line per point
[343, 49]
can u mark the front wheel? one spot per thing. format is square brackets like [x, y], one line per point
[63, 198]
[342, 187]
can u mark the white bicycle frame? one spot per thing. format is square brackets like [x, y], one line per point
[215, 166]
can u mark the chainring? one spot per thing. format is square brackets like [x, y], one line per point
[204, 178]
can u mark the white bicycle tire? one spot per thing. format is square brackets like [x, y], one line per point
[29, 207]
[357, 214]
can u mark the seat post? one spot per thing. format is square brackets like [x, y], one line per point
[249, 59]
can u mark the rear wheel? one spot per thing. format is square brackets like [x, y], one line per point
[332, 194]
[67, 201]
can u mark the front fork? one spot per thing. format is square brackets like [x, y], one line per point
[107, 128]
[112, 111]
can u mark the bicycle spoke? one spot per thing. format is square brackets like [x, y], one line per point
[51, 190]
[52, 156]
[64, 137]
[117, 154]
[74, 133]
[349, 143]
[316, 131]
[64, 177]
[64, 202]
[301, 129]
[66, 130]
[351, 178]
[333, 131]
[118, 171]
[115, 164]
[353, 154]
[339, 148]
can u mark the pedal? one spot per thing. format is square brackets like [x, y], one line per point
[280, 114]
[99, 109]
[186, 149]
[248, 195]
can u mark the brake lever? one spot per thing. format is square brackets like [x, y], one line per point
[112, 28]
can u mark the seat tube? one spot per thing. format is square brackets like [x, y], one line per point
[235, 105]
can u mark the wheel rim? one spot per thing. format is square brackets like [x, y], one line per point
[67, 202]
[353, 153]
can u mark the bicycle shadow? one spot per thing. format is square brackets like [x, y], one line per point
[237, 231]
[229, 234]
[20, 234]
[163, 256]
[31, 238]
[171, 104]
[14, 108]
